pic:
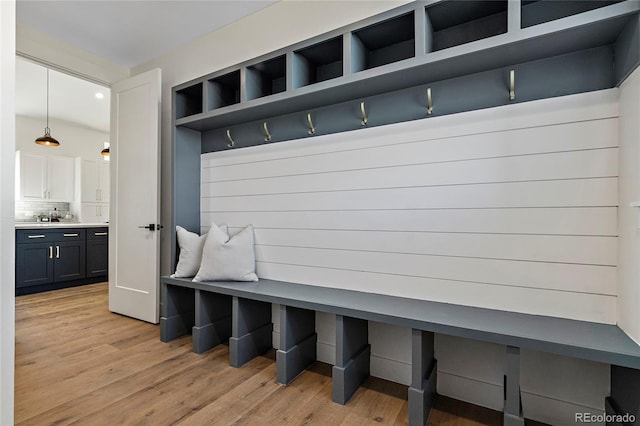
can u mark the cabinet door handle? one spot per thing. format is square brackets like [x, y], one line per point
[100, 234]
[57, 252]
[69, 235]
[35, 236]
[50, 252]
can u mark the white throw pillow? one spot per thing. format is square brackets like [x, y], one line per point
[228, 259]
[191, 245]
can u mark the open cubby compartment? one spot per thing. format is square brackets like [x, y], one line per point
[266, 78]
[223, 90]
[534, 12]
[319, 62]
[452, 23]
[383, 43]
[188, 101]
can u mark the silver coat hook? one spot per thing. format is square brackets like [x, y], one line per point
[266, 132]
[364, 114]
[312, 129]
[429, 102]
[231, 143]
[512, 85]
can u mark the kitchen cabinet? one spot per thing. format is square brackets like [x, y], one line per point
[49, 256]
[94, 190]
[94, 181]
[42, 177]
[97, 252]
[94, 212]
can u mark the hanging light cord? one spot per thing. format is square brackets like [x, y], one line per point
[47, 130]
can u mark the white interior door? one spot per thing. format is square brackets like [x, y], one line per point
[134, 251]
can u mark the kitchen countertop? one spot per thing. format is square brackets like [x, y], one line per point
[54, 225]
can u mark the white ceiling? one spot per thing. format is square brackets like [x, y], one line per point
[131, 32]
[125, 32]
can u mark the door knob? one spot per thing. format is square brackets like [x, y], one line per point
[150, 227]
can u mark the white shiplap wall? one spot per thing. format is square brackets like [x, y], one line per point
[515, 213]
[510, 208]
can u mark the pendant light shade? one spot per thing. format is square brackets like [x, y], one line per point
[47, 140]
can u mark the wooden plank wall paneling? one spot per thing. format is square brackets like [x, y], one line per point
[512, 209]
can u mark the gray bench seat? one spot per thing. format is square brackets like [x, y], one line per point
[241, 312]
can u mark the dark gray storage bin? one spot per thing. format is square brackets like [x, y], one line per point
[320, 62]
[189, 101]
[452, 23]
[383, 43]
[266, 78]
[223, 91]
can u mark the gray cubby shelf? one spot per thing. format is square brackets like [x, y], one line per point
[223, 91]
[266, 78]
[383, 43]
[188, 101]
[452, 24]
[320, 62]
[418, 44]
[534, 12]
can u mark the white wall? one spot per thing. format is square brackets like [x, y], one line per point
[629, 217]
[510, 208]
[277, 26]
[75, 141]
[7, 238]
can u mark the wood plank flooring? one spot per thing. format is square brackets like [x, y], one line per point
[77, 363]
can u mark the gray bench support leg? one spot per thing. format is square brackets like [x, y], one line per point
[624, 400]
[297, 342]
[423, 377]
[212, 322]
[251, 329]
[353, 356]
[512, 404]
[178, 312]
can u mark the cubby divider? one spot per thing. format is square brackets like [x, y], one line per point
[383, 43]
[266, 78]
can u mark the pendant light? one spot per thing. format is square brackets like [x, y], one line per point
[47, 140]
[106, 151]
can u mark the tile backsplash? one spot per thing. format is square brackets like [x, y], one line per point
[28, 211]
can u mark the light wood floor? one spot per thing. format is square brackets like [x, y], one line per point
[77, 363]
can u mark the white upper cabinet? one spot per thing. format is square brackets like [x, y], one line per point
[60, 178]
[95, 181]
[42, 177]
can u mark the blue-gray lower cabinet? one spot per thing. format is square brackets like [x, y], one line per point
[56, 258]
[34, 264]
[97, 252]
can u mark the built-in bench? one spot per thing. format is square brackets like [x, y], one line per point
[241, 312]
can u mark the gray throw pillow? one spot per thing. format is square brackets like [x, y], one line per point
[191, 245]
[228, 259]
